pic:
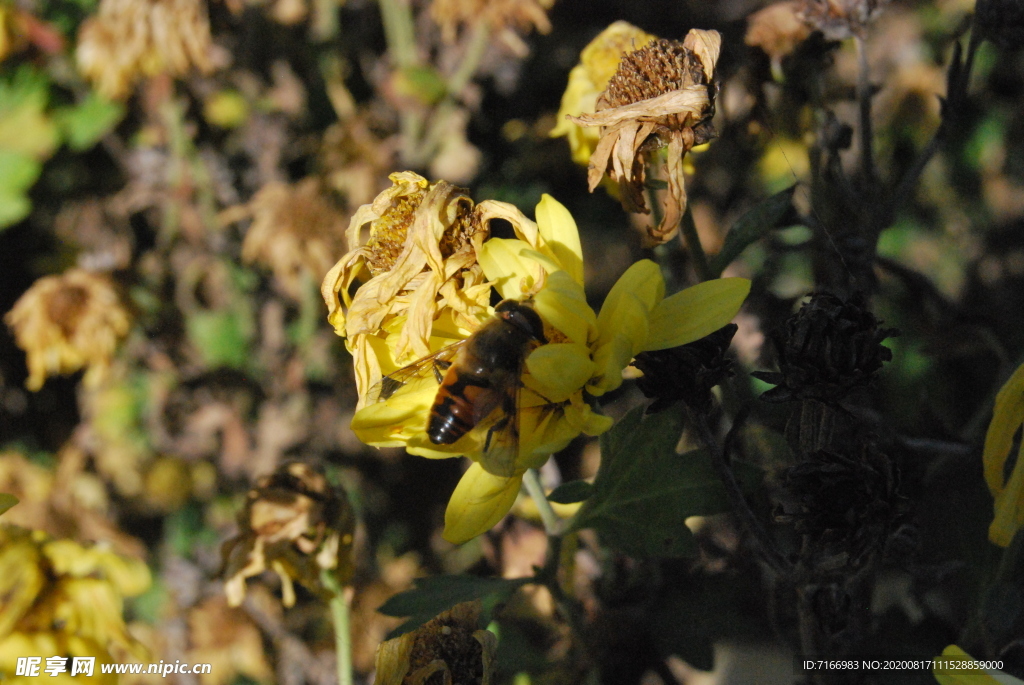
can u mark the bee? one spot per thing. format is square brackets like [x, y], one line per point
[478, 377]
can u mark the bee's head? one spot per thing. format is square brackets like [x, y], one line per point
[523, 317]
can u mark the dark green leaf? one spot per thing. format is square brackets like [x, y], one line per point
[644, 491]
[222, 337]
[750, 227]
[571, 492]
[431, 596]
[7, 501]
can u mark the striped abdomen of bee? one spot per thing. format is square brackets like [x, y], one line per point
[485, 374]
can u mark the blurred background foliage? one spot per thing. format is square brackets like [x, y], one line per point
[186, 171]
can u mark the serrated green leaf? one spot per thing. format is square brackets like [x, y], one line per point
[571, 492]
[7, 501]
[433, 595]
[644, 491]
[752, 226]
[84, 124]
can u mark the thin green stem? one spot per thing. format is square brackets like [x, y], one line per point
[700, 260]
[400, 34]
[342, 628]
[552, 524]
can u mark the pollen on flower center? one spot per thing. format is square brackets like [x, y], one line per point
[653, 70]
[387, 238]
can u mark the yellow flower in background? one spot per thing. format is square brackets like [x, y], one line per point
[584, 356]
[64, 599]
[588, 79]
[1008, 495]
[66, 323]
[128, 40]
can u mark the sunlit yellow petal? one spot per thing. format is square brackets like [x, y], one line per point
[1007, 416]
[1009, 506]
[580, 96]
[695, 312]
[480, 500]
[561, 368]
[510, 264]
[558, 229]
[395, 422]
[563, 304]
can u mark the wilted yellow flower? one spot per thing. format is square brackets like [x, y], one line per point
[1008, 495]
[132, 39]
[503, 17]
[662, 94]
[66, 323]
[452, 644]
[586, 353]
[64, 599]
[418, 261]
[295, 524]
[588, 79]
[295, 231]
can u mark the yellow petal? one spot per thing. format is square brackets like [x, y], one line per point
[695, 312]
[560, 369]
[963, 677]
[396, 421]
[511, 265]
[626, 309]
[1009, 506]
[563, 304]
[480, 500]
[1007, 417]
[558, 228]
[610, 358]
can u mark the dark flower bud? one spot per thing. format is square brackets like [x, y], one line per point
[825, 350]
[687, 372]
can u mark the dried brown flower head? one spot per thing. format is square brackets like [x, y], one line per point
[295, 524]
[295, 232]
[128, 40]
[840, 19]
[777, 30]
[66, 323]
[450, 647]
[661, 95]
[419, 261]
[504, 18]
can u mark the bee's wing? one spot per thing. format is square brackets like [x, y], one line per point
[501, 447]
[432, 366]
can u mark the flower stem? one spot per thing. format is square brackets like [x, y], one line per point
[864, 95]
[700, 260]
[342, 629]
[552, 524]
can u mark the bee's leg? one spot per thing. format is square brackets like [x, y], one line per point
[439, 368]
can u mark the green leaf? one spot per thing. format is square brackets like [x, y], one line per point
[752, 226]
[13, 208]
[433, 595]
[222, 337]
[644, 491]
[84, 124]
[571, 492]
[25, 127]
[18, 172]
[7, 501]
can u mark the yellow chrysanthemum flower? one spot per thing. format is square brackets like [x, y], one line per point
[1009, 495]
[588, 79]
[585, 356]
[66, 323]
[65, 600]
